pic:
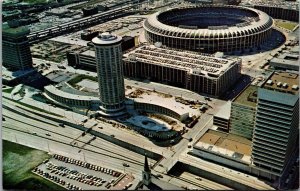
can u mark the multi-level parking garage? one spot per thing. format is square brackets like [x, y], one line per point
[209, 28]
[202, 73]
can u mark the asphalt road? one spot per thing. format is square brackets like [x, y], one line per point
[32, 132]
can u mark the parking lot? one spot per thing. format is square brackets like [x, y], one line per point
[79, 175]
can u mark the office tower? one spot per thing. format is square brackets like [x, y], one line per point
[243, 110]
[110, 73]
[277, 123]
[16, 53]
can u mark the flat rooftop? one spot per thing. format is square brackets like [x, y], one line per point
[11, 75]
[15, 32]
[224, 111]
[89, 53]
[247, 96]
[58, 92]
[201, 64]
[291, 79]
[163, 100]
[226, 144]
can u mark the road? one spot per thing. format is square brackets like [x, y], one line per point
[60, 138]
[182, 147]
[227, 173]
[29, 129]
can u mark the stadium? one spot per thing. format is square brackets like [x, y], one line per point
[209, 28]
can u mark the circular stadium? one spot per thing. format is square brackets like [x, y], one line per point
[209, 28]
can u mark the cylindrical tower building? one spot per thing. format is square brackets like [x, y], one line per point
[110, 73]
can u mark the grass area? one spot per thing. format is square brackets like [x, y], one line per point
[81, 77]
[18, 161]
[286, 24]
[34, 108]
[7, 90]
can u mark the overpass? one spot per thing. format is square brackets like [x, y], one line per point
[83, 23]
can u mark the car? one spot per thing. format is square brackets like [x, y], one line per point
[3, 119]
[207, 98]
[34, 133]
[125, 164]
[48, 134]
[61, 125]
[159, 176]
[190, 139]
[198, 178]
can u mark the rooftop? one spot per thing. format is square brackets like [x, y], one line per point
[56, 91]
[11, 75]
[196, 63]
[227, 144]
[283, 82]
[285, 62]
[106, 39]
[163, 100]
[89, 53]
[224, 111]
[247, 96]
[15, 32]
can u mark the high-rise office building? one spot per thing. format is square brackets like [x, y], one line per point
[276, 124]
[110, 73]
[243, 110]
[16, 53]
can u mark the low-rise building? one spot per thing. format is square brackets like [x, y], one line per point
[221, 119]
[287, 61]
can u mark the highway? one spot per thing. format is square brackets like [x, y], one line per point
[27, 130]
[20, 127]
[227, 173]
[197, 182]
[31, 132]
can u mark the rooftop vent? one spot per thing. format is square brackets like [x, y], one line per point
[279, 84]
[269, 82]
[285, 85]
[295, 87]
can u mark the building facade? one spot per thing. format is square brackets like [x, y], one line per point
[276, 124]
[16, 53]
[110, 73]
[243, 111]
[209, 28]
[201, 73]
